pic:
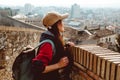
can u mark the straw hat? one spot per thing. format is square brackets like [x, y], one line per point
[52, 17]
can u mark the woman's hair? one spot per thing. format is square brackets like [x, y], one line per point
[54, 29]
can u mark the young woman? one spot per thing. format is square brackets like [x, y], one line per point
[48, 62]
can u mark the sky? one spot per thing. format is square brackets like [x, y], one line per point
[64, 3]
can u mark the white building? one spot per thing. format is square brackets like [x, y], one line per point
[108, 39]
[20, 17]
[28, 8]
[75, 11]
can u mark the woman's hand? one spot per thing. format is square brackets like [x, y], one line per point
[63, 62]
[70, 43]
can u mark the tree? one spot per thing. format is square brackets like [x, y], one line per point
[1, 8]
[118, 42]
[9, 11]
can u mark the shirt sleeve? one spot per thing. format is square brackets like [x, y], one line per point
[44, 57]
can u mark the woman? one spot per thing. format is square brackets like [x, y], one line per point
[48, 63]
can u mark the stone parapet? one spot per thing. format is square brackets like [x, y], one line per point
[96, 62]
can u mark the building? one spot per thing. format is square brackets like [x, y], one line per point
[20, 17]
[28, 8]
[5, 12]
[75, 11]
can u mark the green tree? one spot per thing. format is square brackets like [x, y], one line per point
[1, 8]
[9, 11]
[118, 42]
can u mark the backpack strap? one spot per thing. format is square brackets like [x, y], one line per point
[49, 41]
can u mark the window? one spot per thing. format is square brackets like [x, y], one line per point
[106, 39]
[109, 39]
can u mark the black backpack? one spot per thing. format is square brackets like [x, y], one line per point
[21, 68]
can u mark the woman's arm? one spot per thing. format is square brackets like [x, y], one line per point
[41, 61]
[62, 63]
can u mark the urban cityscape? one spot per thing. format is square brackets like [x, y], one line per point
[96, 26]
[79, 18]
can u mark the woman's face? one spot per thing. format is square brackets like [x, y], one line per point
[61, 26]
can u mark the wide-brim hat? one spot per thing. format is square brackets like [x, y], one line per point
[52, 17]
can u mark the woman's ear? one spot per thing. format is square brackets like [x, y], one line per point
[58, 24]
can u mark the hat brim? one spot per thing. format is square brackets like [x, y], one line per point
[63, 16]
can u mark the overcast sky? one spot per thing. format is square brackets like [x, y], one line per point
[64, 3]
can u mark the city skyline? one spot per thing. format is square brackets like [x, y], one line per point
[64, 3]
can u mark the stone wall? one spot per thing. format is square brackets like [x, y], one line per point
[9, 21]
[12, 41]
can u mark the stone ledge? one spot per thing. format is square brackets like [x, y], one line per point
[10, 28]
